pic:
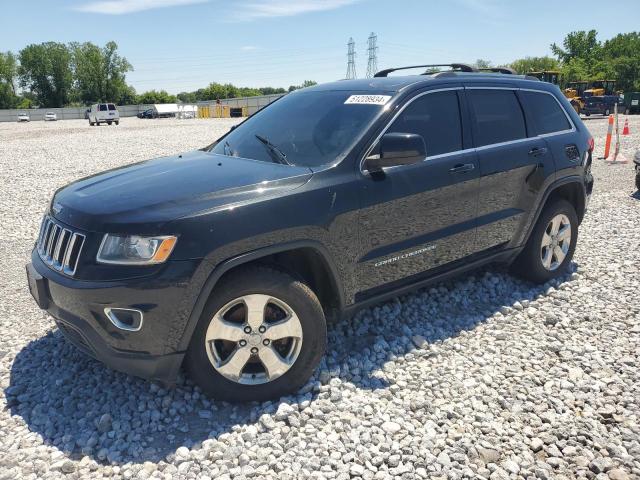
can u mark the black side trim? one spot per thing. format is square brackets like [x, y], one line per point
[371, 297]
[244, 258]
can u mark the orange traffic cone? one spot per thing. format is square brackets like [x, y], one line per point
[625, 130]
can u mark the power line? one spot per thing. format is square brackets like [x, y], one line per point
[372, 48]
[351, 59]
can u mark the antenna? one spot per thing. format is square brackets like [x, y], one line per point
[351, 60]
[372, 64]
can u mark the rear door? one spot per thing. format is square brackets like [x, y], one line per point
[113, 111]
[513, 165]
[418, 217]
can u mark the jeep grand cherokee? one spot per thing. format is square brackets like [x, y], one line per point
[229, 260]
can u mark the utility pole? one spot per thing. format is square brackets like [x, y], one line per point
[351, 59]
[372, 64]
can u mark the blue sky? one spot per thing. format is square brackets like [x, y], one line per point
[185, 44]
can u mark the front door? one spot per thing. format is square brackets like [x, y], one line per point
[418, 217]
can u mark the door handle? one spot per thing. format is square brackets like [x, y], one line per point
[462, 168]
[538, 151]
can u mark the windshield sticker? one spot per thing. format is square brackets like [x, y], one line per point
[368, 99]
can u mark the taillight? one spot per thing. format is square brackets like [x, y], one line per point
[591, 144]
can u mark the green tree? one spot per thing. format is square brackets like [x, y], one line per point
[45, 69]
[535, 64]
[581, 44]
[621, 55]
[305, 84]
[480, 63]
[187, 97]
[8, 74]
[156, 96]
[100, 73]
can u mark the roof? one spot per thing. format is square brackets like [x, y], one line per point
[398, 83]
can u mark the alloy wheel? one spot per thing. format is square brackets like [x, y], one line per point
[254, 339]
[556, 242]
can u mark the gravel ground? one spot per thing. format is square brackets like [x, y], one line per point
[482, 377]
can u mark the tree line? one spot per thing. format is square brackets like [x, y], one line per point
[53, 74]
[581, 56]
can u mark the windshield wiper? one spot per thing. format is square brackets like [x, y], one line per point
[278, 155]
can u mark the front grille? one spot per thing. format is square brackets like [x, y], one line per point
[59, 247]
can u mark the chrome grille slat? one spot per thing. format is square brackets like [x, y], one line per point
[59, 247]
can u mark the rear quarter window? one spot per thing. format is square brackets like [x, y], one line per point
[547, 114]
[111, 106]
[102, 107]
[497, 116]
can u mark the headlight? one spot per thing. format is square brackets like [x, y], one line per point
[135, 249]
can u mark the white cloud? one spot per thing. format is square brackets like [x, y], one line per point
[248, 48]
[255, 9]
[121, 7]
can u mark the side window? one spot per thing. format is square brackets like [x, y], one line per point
[498, 116]
[103, 107]
[111, 106]
[435, 116]
[547, 114]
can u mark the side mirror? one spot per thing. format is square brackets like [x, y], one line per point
[397, 149]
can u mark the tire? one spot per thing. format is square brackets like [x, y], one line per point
[638, 181]
[606, 112]
[91, 123]
[252, 381]
[117, 122]
[529, 263]
[108, 123]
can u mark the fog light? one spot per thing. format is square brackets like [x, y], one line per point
[125, 318]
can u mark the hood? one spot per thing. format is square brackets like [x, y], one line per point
[145, 195]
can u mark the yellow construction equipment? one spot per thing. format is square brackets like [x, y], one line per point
[573, 90]
[600, 88]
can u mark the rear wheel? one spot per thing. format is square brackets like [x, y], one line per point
[638, 181]
[117, 122]
[109, 123]
[551, 245]
[607, 112]
[260, 336]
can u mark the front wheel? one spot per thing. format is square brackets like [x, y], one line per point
[117, 122]
[261, 336]
[550, 247]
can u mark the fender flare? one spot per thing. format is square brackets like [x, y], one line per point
[547, 193]
[244, 258]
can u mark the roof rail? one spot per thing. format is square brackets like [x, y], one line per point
[505, 70]
[463, 67]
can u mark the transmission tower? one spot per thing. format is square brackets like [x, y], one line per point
[351, 60]
[372, 64]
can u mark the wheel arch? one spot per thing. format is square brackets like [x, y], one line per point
[307, 260]
[569, 188]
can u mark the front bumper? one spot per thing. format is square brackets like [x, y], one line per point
[78, 309]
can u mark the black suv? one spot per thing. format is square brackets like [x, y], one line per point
[230, 259]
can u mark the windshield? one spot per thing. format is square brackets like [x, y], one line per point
[304, 128]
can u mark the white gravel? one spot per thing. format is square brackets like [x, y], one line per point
[482, 377]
